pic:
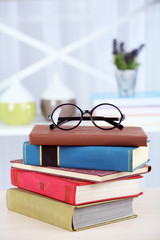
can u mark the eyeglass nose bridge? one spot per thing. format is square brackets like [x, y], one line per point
[86, 111]
[86, 117]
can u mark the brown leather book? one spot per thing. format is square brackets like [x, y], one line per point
[88, 135]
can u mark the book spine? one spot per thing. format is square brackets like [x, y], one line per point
[44, 184]
[40, 155]
[86, 157]
[31, 151]
[47, 210]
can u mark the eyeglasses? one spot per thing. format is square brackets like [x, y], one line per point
[105, 116]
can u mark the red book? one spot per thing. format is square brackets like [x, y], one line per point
[75, 192]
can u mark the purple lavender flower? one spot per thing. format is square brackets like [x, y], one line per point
[125, 60]
[134, 53]
[127, 57]
[122, 47]
[115, 50]
[140, 48]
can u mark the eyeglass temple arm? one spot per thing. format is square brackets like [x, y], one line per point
[52, 126]
[109, 120]
[63, 120]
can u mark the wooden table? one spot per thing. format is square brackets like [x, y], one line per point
[14, 226]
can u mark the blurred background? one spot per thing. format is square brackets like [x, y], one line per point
[75, 40]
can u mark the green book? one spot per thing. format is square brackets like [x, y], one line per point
[65, 215]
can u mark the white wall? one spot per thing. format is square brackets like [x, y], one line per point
[59, 24]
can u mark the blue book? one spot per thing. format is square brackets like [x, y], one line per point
[111, 158]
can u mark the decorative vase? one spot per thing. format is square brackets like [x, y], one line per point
[55, 94]
[126, 81]
[17, 106]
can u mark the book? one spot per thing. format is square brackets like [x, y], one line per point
[114, 158]
[65, 215]
[82, 174]
[139, 99]
[74, 192]
[88, 135]
[141, 104]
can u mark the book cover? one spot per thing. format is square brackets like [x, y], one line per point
[74, 192]
[88, 135]
[114, 158]
[67, 216]
[82, 174]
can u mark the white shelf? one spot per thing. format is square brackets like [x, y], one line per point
[149, 124]
[21, 130]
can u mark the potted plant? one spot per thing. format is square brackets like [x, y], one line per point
[126, 67]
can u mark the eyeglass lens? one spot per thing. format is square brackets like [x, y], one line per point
[62, 116]
[106, 116]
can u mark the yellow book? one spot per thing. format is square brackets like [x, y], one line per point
[65, 215]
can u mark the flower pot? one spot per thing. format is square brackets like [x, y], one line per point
[17, 106]
[56, 93]
[126, 81]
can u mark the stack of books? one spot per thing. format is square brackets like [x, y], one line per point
[141, 109]
[141, 104]
[80, 178]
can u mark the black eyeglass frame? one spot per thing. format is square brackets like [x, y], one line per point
[63, 120]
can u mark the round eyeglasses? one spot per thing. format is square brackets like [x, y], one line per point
[68, 116]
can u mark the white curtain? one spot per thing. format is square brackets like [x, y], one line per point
[59, 24]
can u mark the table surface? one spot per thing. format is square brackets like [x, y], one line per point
[147, 226]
